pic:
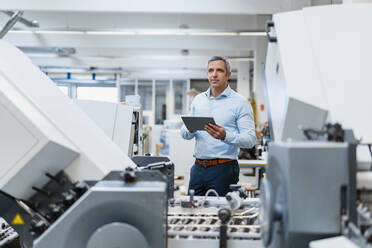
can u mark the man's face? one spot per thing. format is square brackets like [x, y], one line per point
[217, 76]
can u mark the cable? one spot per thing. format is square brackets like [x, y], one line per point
[209, 191]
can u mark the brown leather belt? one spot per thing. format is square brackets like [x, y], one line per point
[212, 162]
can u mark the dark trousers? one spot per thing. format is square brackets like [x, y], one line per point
[217, 177]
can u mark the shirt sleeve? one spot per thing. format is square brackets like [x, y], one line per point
[246, 135]
[184, 131]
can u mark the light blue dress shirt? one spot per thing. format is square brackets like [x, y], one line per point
[231, 111]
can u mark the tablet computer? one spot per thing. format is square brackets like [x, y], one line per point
[196, 123]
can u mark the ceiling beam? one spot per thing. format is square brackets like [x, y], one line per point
[117, 21]
[177, 67]
[233, 43]
[159, 6]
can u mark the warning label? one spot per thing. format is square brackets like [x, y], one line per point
[18, 220]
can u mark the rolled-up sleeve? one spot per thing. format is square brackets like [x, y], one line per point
[184, 131]
[186, 134]
[245, 137]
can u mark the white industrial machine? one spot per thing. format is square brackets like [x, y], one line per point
[43, 131]
[61, 176]
[115, 119]
[318, 175]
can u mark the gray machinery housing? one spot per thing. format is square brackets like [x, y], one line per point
[310, 191]
[112, 214]
[299, 204]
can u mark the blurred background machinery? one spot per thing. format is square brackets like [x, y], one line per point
[316, 170]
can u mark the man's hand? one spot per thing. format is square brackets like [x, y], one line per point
[216, 131]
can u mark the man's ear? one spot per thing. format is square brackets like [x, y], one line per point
[228, 74]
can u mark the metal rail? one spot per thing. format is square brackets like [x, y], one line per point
[11, 22]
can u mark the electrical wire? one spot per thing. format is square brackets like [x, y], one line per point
[209, 191]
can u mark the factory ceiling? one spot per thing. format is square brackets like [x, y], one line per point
[140, 35]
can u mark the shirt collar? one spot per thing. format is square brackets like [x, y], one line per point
[227, 92]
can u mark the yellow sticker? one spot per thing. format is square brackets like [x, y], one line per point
[18, 220]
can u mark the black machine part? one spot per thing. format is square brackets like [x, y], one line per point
[330, 132]
[191, 203]
[44, 207]
[224, 214]
[240, 189]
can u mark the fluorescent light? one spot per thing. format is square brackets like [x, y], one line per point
[109, 33]
[96, 57]
[240, 59]
[143, 32]
[160, 32]
[20, 31]
[214, 33]
[58, 32]
[252, 33]
[42, 55]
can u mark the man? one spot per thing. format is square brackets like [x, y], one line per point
[217, 148]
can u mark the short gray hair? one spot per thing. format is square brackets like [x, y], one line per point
[227, 63]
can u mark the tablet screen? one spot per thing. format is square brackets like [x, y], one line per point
[197, 123]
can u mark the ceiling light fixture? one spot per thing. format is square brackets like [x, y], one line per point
[252, 33]
[160, 32]
[58, 32]
[110, 33]
[139, 32]
[240, 59]
[213, 33]
[48, 51]
[20, 32]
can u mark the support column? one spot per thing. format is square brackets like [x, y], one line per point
[72, 91]
[243, 79]
[259, 65]
[117, 77]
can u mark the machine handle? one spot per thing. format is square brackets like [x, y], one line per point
[270, 24]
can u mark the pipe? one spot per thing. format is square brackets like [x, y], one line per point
[12, 21]
[28, 23]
